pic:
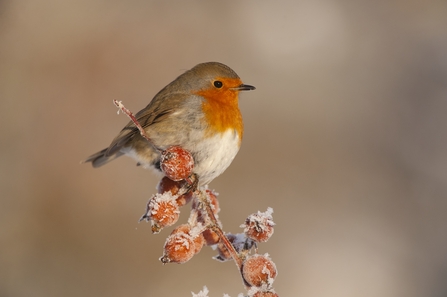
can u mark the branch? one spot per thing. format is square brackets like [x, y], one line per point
[131, 116]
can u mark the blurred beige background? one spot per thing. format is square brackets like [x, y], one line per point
[345, 138]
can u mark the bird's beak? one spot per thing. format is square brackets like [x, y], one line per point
[244, 88]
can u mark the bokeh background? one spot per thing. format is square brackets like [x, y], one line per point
[345, 138]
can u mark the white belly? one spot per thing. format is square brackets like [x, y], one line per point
[212, 155]
[215, 154]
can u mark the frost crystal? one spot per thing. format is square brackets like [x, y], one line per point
[259, 226]
[184, 240]
[240, 242]
[157, 199]
[120, 105]
[203, 293]
[196, 230]
[261, 219]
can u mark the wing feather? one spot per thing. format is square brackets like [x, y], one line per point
[157, 110]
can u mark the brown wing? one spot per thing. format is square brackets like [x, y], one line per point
[157, 110]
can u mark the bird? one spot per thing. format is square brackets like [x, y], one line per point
[198, 111]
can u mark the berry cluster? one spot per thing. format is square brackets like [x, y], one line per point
[177, 188]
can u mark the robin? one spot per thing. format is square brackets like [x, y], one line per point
[198, 111]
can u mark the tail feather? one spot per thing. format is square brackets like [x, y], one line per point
[100, 158]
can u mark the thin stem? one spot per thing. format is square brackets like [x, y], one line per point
[218, 230]
[135, 121]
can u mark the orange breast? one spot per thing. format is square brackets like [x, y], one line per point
[221, 109]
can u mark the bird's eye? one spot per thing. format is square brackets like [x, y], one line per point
[218, 84]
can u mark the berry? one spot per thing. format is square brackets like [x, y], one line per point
[177, 163]
[195, 235]
[163, 211]
[259, 226]
[259, 270]
[211, 237]
[167, 184]
[179, 248]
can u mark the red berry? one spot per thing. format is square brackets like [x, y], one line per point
[259, 226]
[167, 184]
[211, 237]
[177, 163]
[179, 248]
[163, 211]
[259, 270]
[199, 241]
[195, 235]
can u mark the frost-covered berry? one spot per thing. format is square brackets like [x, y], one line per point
[259, 270]
[179, 247]
[259, 226]
[211, 237]
[167, 184]
[162, 210]
[195, 234]
[177, 163]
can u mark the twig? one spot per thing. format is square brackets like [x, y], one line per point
[218, 230]
[135, 121]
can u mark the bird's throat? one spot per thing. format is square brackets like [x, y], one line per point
[222, 114]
